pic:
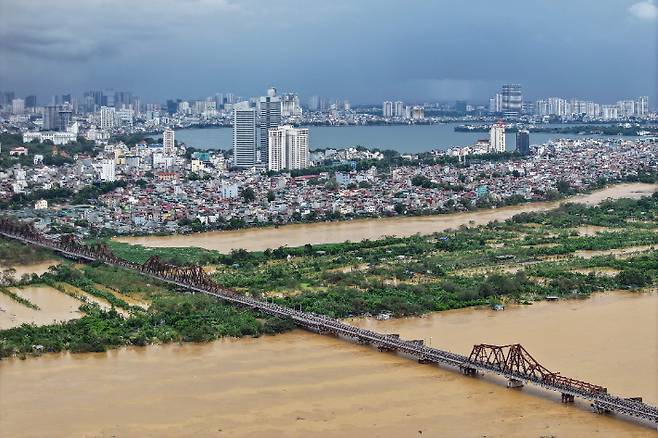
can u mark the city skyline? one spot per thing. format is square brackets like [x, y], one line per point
[439, 52]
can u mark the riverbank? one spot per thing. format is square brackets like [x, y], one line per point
[302, 384]
[260, 239]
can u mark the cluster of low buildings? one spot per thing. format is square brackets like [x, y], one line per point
[167, 188]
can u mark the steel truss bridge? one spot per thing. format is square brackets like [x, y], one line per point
[512, 362]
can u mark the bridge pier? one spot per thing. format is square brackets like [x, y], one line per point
[567, 398]
[468, 371]
[514, 383]
[424, 360]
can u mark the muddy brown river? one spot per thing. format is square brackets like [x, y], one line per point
[259, 239]
[301, 384]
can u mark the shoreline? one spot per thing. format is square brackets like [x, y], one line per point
[260, 238]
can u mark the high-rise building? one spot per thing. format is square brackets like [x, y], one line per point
[108, 117]
[626, 108]
[18, 106]
[398, 109]
[642, 106]
[290, 105]
[244, 135]
[417, 113]
[50, 113]
[387, 109]
[512, 99]
[497, 138]
[523, 141]
[30, 101]
[346, 105]
[63, 119]
[496, 104]
[168, 141]
[269, 117]
[287, 148]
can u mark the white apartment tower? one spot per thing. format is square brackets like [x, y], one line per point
[642, 106]
[108, 170]
[399, 109]
[168, 142]
[108, 117]
[287, 148]
[269, 117]
[387, 109]
[244, 135]
[497, 138]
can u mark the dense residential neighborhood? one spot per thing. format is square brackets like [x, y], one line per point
[143, 190]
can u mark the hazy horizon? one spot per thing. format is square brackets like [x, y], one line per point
[364, 51]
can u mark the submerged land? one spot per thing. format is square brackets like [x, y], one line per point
[569, 252]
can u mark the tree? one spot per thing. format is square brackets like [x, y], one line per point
[631, 277]
[563, 187]
[270, 196]
[248, 194]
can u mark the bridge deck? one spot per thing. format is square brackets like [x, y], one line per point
[601, 401]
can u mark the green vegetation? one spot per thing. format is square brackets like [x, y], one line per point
[58, 194]
[188, 318]
[528, 257]
[569, 252]
[18, 298]
[52, 155]
[14, 253]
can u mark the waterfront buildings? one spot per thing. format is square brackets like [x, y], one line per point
[290, 105]
[497, 138]
[244, 135]
[387, 109]
[269, 118]
[287, 148]
[399, 109]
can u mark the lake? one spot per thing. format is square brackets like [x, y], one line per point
[402, 138]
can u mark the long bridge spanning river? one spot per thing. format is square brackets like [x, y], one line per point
[512, 362]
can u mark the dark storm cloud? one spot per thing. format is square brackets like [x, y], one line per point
[364, 50]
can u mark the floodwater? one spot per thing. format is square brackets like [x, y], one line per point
[32, 268]
[54, 306]
[301, 384]
[259, 239]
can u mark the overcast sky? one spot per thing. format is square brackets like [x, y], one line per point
[364, 50]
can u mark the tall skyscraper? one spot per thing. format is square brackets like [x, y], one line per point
[523, 141]
[63, 119]
[642, 106]
[30, 101]
[18, 106]
[269, 117]
[387, 109]
[497, 138]
[287, 148]
[399, 109]
[244, 135]
[496, 103]
[168, 141]
[290, 105]
[512, 99]
[50, 113]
